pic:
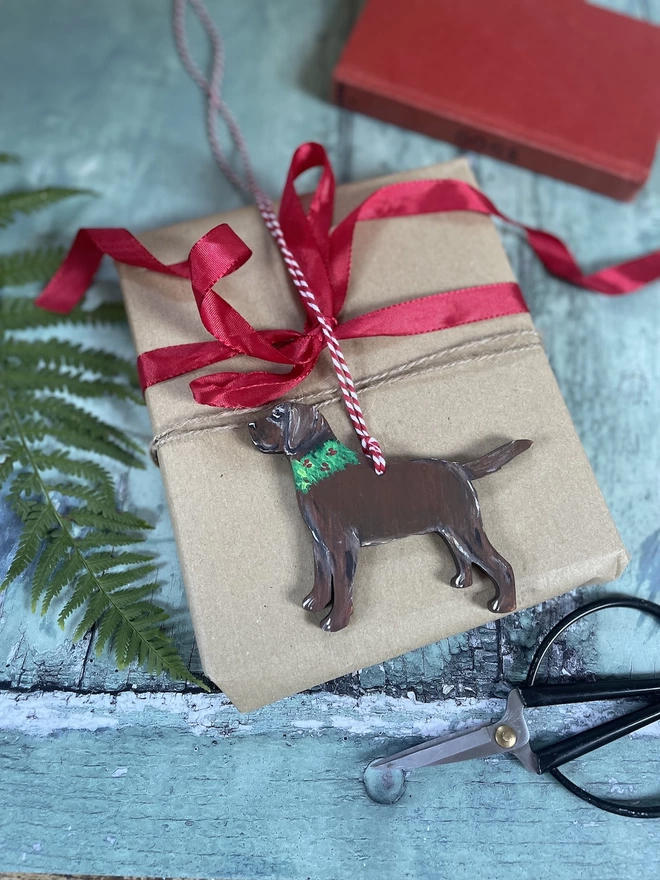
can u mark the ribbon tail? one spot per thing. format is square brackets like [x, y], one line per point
[412, 197]
[67, 287]
[69, 284]
[626, 277]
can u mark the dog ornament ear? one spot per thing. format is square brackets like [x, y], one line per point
[300, 427]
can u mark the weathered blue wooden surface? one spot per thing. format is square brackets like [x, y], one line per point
[93, 95]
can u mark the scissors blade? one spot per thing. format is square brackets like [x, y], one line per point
[480, 742]
[476, 743]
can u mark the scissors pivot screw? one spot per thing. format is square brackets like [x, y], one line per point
[505, 736]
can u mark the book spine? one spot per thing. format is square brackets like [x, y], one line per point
[480, 139]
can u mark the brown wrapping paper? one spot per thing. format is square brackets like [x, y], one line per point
[245, 553]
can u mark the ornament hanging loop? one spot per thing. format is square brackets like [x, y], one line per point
[248, 184]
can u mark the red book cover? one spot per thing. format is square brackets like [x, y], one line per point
[563, 87]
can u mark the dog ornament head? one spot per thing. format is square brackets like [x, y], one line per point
[291, 428]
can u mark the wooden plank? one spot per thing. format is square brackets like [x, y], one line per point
[65, 877]
[71, 877]
[183, 785]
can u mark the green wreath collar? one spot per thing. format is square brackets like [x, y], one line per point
[320, 463]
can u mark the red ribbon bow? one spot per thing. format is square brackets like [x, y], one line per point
[325, 258]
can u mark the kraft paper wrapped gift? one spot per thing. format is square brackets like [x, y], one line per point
[245, 553]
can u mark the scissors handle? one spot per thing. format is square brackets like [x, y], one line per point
[567, 750]
[588, 691]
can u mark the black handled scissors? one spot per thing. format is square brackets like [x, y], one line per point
[511, 734]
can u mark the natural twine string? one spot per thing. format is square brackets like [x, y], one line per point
[204, 423]
[248, 184]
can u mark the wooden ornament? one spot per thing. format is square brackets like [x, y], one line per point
[346, 505]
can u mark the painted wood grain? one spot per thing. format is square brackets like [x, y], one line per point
[64, 877]
[95, 97]
[182, 784]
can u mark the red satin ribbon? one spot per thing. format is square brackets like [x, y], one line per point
[325, 258]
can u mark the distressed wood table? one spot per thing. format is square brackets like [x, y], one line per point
[114, 772]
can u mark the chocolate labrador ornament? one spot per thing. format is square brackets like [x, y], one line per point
[346, 505]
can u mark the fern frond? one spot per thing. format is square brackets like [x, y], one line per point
[20, 313]
[58, 353]
[65, 421]
[108, 520]
[96, 604]
[6, 468]
[28, 267]
[89, 471]
[107, 539]
[71, 526]
[107, 627]
[74, 491]
[51, 379]
[114, 580]
[61, 577]
[24, 486]
[51, 555]
[85, 589]
[102, 561]
[156, 655]
[130, 598]
[37, 524]
[30, 201]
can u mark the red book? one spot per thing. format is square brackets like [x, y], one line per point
[562, 87]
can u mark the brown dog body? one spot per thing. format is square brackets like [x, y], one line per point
[355, 507]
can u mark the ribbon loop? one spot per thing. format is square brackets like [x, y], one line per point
[216, 255]
[307, 236]
[323, 261]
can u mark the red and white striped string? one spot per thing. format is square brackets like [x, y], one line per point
[216, 105]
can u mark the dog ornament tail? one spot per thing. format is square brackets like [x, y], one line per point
[493, 461]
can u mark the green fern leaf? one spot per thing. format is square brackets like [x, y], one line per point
[37, 525]
[28, 267]
[58, 353]
[96, 604]
[133, 651]
[112, 581]
[107, 627]
[144, 615]
[6, 469]
[30, 201]
[71, 526]
[51, 555]
[130, 598]
[89, 471]
[85, 588]
[105, 561]
[69, 423]
[107, 539]
[20, 313]
[121, 638]
[24, 483]
[51, 379]
[108, 521]
[61, 577]
[79, 492]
